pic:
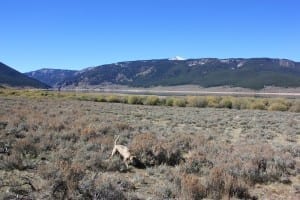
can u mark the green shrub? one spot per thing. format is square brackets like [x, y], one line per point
[213, 101]
[123, 99]
[226, 103]
[278, 107]
[180, 102]
[152, 100]
[169, 102]
[295, 107]
[134, 99]
[258, 105]
[100, 99]
[162, 102]
[197, 101]
[241, 103]
[113, 99]
[237, 103]
[83, 98]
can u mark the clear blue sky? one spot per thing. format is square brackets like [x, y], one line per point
[74, 34]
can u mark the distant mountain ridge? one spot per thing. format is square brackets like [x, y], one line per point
[12, 78]
[254, 73]
[51, 76]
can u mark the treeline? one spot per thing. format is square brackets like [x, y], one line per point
[230, 102]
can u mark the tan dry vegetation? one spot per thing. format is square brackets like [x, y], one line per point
[229, 102]
[57, 148]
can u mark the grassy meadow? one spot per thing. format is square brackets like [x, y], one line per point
[56, 145]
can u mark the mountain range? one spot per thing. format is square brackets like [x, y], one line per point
[253, 73]
[52, 77]
[12, 78]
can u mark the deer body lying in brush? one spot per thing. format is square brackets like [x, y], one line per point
[123, 151]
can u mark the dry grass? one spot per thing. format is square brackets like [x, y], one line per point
[58, 148]
[230, 102]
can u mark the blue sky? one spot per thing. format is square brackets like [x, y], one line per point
[74, 34]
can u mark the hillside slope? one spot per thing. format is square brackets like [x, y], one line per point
[13, 78]
[51, 76]
[254, 73]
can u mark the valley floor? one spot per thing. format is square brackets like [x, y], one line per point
[192, 90]
[58, 149]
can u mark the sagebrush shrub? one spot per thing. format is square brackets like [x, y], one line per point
[197, 164]
[27, 148]
[216, 183]
[70, 176]
[237, 142]
[107, 191]
[142, 146]
[151, 151]
[13, 161]
[59, 189]
[191, 187]
[116, 164]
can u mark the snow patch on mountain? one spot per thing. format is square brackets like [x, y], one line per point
[177, 58]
